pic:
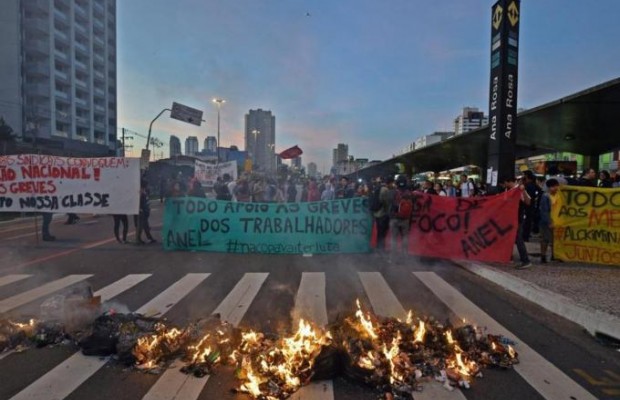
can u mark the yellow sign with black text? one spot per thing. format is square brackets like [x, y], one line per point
[586, 225]
[513, 13]
[497, 16]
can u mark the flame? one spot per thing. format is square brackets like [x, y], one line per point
[200, 354]
[365, 321]
[493, 346]
[511, 352]
[390, 354]
[291, 358]
[146, 346]
[367, 361]
[409, 319]
[419, 333]
[24, 325]
[449, 337]
[252, 384]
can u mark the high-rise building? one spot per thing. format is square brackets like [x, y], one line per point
[260, 139]
[175, 146]
[296, 162]
[58, 74]
[340, 153]
[469, 119]
[210, 145]
[191, 146]
[312, 169]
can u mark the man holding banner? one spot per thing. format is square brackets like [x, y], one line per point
[524, 202]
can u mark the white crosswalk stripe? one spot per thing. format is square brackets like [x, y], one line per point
[71, 373]
[8, 279]
[311, 305]
[384, 302]
[543, 376]
[120, 286]
[173, 385]
[36, 293]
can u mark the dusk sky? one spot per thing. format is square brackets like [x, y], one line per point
[375, 74]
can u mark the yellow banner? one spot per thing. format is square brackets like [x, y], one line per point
[586, 225]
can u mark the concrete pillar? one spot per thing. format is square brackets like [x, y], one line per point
[591, 161]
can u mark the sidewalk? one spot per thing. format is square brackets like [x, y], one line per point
[587, 294]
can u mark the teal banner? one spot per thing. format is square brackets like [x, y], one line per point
[338, 226]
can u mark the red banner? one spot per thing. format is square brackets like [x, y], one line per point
[292, 152]
[474, 228]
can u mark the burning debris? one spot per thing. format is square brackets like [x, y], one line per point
[274, 368]
[392, 356]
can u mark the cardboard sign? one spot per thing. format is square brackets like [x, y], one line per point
[42, 183]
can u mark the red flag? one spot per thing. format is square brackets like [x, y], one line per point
[293, 152]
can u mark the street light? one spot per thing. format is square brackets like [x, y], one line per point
[219, 103]
[272, 146]
[255, 132]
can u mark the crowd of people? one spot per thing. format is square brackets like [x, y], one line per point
[389, 199]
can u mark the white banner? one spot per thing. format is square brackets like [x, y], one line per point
[34, 182]
[207, 174]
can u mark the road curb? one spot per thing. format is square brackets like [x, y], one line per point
[593, 320]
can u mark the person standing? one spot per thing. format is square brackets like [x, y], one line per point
[118, 220]
[141, 220]
[466, 187]
[440, 190]
[529, 182]
[197, 190]
[400, 218]
[383, 195]
[547, 202]
[605, 179]
[45, 227]
[450, 189]
[524, 201]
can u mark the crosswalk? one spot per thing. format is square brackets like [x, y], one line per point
[310, 299]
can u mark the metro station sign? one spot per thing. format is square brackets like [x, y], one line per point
[503, 90]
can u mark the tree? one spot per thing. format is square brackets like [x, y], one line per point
[6, 135]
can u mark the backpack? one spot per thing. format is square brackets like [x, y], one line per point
[403, 205]
[374, 200]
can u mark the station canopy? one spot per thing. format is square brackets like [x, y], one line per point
[586, 123]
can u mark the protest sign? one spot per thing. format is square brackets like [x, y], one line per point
[338, 226]
[207, 174]
[586, 225]
[42, 183]
[473, 228]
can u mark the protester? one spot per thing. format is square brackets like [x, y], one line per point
[450, 189]
[197, 190]
[525, 200]
[381, 200]
[344, 190]
[176, 190]
[605, 179]
[118, 220]
[547, 202]
[466, 188]
[141, 221]
[242, 190]
[221, 189]
[439, 189]
[231, 189]
[428, 187]
[400, 218]
[163, 184]
[45, 227]
[529, 182]
[291, 192]
[588, 178]
[313, 191]
[554, 173]
[616, 182]
[328, 193]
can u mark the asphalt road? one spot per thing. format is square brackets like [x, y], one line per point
[559, 360]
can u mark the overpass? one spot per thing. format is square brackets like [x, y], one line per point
[586, 123]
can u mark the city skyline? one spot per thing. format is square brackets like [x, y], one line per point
[332, 80]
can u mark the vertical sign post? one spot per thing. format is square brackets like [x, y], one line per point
[503, 90]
